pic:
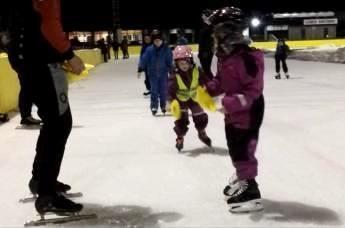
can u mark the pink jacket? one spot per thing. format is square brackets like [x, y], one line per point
[241, 89]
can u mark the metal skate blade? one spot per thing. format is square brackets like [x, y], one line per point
[73, 218]
[247, 207]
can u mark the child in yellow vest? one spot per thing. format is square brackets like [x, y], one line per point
[183, 86]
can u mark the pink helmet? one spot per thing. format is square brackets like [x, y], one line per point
[182, 52]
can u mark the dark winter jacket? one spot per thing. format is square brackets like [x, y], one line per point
[143, 49]
[36, 33]
[241, 78]
[206, 42]
[157, 61]
[282, 51]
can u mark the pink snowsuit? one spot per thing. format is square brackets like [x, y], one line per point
[240, 78]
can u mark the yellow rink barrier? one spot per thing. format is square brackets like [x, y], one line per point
[9, 86]
[9, 83]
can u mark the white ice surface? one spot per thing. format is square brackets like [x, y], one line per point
[125, 162]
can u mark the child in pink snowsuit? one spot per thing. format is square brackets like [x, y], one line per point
[240, 78]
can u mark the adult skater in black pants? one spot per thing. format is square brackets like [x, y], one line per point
[280, 57]
[40, 45]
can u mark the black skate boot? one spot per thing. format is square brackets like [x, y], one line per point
[244, 196]
[204, 138]
[179, 143]
[278, 76]
[146, 93]
[287, 75]
[60, 187]
[30, 121]
[164, 111]
[154, 111]
[4, 118]
[57, 204]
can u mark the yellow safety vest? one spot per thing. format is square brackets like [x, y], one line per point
[183, 92]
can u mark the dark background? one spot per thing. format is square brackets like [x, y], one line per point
[138, 14]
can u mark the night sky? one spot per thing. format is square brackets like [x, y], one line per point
[139, 14]
[178, 13]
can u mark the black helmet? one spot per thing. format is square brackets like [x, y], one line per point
[228, 15]
[229, 24]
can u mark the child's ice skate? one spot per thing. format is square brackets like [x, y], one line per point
[278, 76]
[204, 138]
[244, 197]
[227, 190]
[179, 143]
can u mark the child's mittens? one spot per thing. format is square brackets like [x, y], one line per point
[205, 100]
[175, 109]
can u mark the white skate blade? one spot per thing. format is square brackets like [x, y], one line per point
[29, 127]
[60, 220]
[34, 197]
[247, 207]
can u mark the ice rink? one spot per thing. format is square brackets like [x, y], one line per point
[125, 162]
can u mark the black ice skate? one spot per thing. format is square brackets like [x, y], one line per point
[278, 76]
[63, 209]
[4, 118]
[57, 204]
[287, 75]
[30, 121]
[244, 197]
[61, 189]
[205, 139]
[179, 143]
[146, 93]
[154, 111]
[164, 111]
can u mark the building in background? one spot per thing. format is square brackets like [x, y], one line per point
[302, 26]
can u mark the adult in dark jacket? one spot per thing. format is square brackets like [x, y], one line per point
[38, 45]
[109, 45]
[206, 44]
[124, 48]
[104, 49]
[158, 60]
[25, 95]
[116, 47]
[280, 57]
[146, 44]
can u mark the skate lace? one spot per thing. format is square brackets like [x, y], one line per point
[233, 179]
[238, 188]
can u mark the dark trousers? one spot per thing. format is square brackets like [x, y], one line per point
[50, 88]
[116, 54]
[242, 143]
[200, 118]
[25, 97]
[159, 91]
[283, 61]
[105, 57]
[147, 81]
[206, 62]
[125, 53]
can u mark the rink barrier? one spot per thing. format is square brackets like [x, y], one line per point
[9, 83]
[303, 44]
